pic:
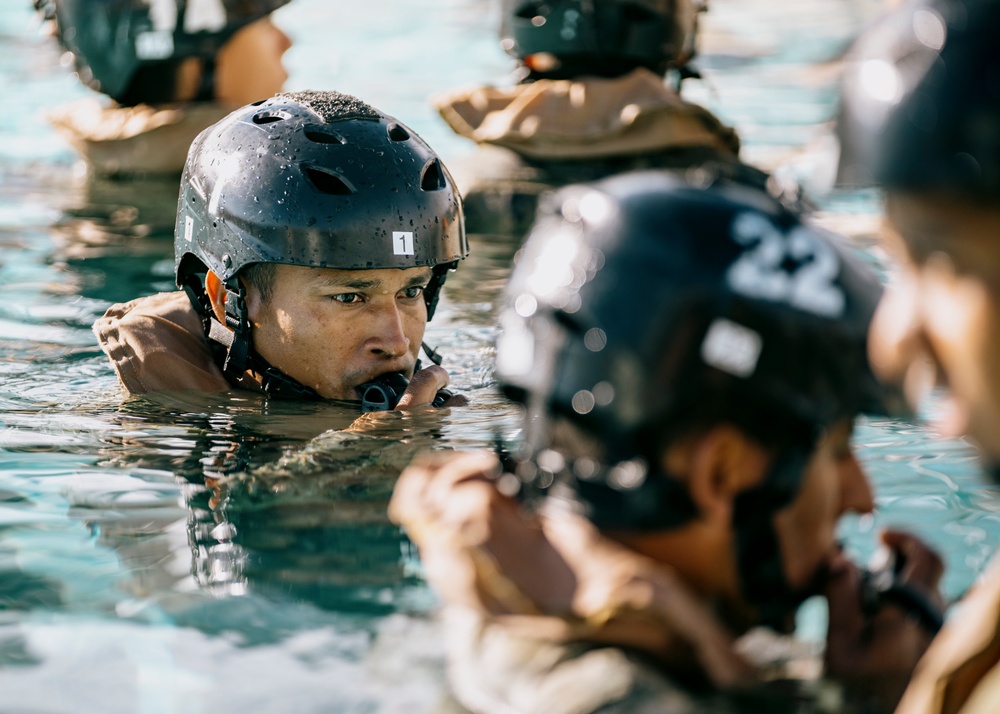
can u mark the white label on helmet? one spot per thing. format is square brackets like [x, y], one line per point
[163, 15]
[402, 242]
[154, 45]
[732, 348]
[188, 228]
[204, 15]
[795, 268]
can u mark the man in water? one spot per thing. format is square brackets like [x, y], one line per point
[174, 67]
[691, 361]
[313, 236]
[921, 118]
[591, 99]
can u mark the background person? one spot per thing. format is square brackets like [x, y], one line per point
[921, 118]
[590, 100]
[170, 67]
[313, 236]
[691, 361]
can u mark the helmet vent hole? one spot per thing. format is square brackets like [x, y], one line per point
[322, 136]
[432, 178]
[328, 183]
[270, 117]
[398, 133]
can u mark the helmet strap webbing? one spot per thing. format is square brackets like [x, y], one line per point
[758, 548]
[432, 293]
[237, 320]
[239, 353]
[206, 85]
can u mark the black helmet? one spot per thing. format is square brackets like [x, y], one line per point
[567, 38]
[317, 179]
[112, 40]
[641, 302]
[643, 308]
[920, 105]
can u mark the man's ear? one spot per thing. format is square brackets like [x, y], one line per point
[216, 292]
[718, 465]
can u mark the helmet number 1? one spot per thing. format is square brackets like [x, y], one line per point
[794, 268]
[402, 242]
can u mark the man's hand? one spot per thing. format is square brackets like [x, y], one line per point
[424, 386]
[873, 653]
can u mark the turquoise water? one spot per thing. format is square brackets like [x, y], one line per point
[164, 555]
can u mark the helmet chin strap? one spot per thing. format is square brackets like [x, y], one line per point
[758, 548]
[236, 337]
[662, 502]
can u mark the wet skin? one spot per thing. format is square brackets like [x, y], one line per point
[723, 464]
[248, 67]
[334, 330]
[939, 322]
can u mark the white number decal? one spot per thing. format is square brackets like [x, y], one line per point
[760, 272]
[402, 242]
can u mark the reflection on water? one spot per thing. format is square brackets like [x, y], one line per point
[207, 553]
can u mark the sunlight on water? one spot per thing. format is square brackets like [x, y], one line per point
[182, 553]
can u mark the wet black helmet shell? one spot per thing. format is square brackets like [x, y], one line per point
[600, 37]
[641, 298]
[111, 40]
[318, 179]
[920, 103]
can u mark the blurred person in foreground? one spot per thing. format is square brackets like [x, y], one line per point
[170, 68]
[313, 236]
[691, 359]
[591, 98]
[921, 118]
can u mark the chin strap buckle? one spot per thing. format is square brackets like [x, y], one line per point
[237, 320]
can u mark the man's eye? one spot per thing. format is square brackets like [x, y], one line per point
[413, 293]
[346, 298]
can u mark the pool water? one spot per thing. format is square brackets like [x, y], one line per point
[211, 554]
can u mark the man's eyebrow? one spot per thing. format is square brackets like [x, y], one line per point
[359, 284]
[354, 284]
[418, 280]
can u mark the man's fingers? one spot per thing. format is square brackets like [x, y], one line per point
[424, 387]
[426, 484]
[922, 566]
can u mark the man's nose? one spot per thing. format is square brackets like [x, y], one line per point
[284, 41]
[389, 332]
[855, 489]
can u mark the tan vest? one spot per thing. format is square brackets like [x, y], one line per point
[156, 344]
[584, 119]
[960, 672]
[545, 614]
[132, 140]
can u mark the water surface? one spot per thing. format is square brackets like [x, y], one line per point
[168, 554]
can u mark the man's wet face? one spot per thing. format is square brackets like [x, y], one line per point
[832, 485]
[939, 322]
[333, 330]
